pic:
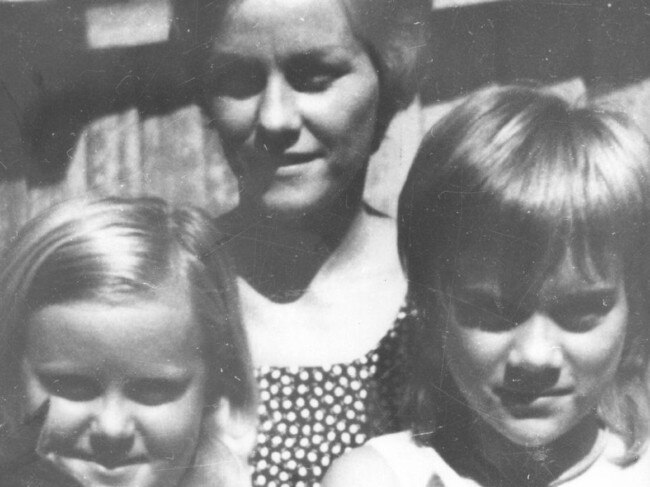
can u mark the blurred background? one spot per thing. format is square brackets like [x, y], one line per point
[93, 96]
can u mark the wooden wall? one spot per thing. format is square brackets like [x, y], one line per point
[77, 115]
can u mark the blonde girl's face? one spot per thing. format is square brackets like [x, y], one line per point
[126, 386]
[534, 361]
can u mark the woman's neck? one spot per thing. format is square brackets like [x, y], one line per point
[539, 466]
[280, 259]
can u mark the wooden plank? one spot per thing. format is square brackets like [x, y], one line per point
[389, 166]
[174, 165]
[461, 53]
[132, 23]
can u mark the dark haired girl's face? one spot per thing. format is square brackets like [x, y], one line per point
[533, 361]
[294, 96]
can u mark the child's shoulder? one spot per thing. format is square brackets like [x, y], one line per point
[607, 469]
[393, 460]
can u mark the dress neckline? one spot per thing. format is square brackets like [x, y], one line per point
[406, 310]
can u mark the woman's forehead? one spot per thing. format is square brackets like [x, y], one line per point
[305, 23]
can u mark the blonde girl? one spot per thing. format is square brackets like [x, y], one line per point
[121, 330]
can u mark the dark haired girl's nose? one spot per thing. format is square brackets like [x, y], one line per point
[526, 380]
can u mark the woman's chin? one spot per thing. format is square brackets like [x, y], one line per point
[132, 474]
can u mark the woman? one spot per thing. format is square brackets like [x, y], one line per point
[301, 93]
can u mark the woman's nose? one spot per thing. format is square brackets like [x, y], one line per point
[536, 345]
[279, 118]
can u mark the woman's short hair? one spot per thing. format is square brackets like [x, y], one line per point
[117, 251]
[552, 177]
[391, 30]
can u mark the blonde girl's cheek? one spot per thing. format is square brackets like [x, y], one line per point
[65, 422]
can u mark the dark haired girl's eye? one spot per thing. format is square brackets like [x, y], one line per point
[582, 313]
[72, 387]
[153, 392]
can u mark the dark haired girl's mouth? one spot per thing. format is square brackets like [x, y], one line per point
[515, 396]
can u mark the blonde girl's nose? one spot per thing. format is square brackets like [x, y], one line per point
[536, 344]
[113, 420]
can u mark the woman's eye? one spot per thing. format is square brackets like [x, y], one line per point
[76, 388]
[153, 392]
[311, 78]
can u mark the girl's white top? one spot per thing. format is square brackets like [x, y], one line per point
[421, 466]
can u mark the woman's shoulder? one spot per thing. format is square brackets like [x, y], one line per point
[393, 460]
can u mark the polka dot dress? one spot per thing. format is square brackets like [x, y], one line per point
[311, 415]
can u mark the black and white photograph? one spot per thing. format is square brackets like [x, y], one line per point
[324, 243]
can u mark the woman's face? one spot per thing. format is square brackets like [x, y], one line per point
[294, 96]
[533, 363]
